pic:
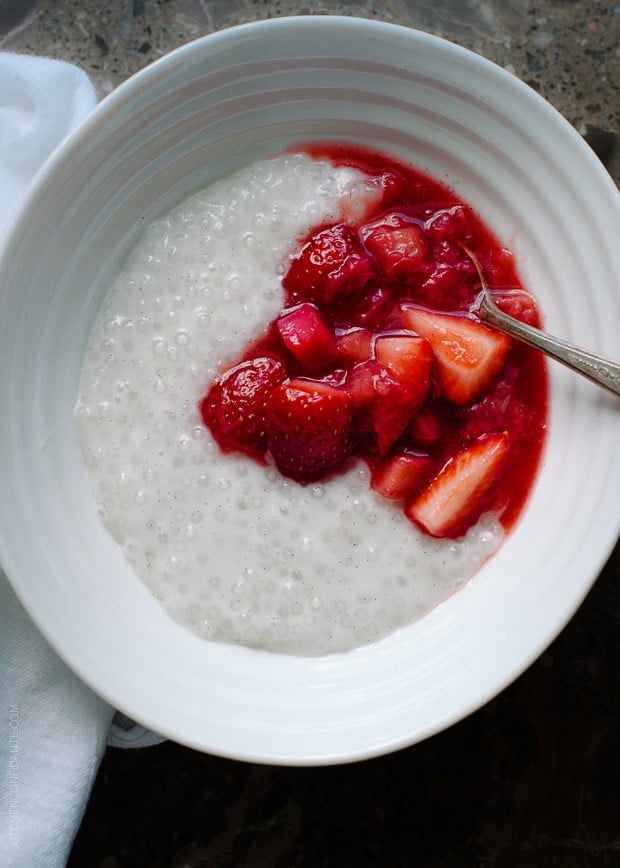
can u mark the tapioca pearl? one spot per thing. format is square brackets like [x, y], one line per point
[192, 613]
[288, 553]
[359, 505]
[83, 411]
[157, 302]
[305, 544]
[161, 535]
[131, 549]
[143, 322]
[172, 354]
[108, 347]
[372, 552]
[140, 497]
[149, 473]
[184, 445]
[182, 338]
[203, 319]
[159, 347]
[204, 480]
[112, 323]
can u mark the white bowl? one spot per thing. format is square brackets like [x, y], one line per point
[193, 116]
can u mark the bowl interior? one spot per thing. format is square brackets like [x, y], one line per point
[189, 119]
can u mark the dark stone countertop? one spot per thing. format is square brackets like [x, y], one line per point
[533, 778]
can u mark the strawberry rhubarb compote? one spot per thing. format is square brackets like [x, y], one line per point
[294, 424]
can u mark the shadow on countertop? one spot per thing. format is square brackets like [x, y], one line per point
[531, 780]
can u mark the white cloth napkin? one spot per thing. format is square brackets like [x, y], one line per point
[54, 728]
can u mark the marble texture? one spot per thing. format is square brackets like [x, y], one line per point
[568, 51]
[533, 778]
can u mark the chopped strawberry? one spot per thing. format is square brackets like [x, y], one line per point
[449, 223]
[391, 386]
[234, 407]
[468, 355]
[408, 358]
[360, 383]
[444, 289]
[355, 344]
[391, 409]
[498, 266]
[307, 338]
[398, 245]
[517, 303]
[462, 490]
[309, 427]
[332, 262]
[425, 427]
[400, 476]
[449, 254]
[376, 307]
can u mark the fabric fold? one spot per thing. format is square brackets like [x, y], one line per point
[55, 729]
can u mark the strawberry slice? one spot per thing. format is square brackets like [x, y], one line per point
[307, 338]
[468, 355]
[462, 490]
[309, 427]
[398, 245]
[332, 262]
[400, 476]
[234, 407]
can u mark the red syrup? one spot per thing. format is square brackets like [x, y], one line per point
[378, 354]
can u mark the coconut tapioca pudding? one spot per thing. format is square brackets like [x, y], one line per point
[293, 424]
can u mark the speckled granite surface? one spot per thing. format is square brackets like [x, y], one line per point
[567, 51]
[533, 778]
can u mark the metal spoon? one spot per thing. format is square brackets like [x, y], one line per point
[602, 371]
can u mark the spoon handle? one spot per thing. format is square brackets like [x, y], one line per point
[599, 369]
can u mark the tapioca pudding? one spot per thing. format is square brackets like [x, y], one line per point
[235, 544]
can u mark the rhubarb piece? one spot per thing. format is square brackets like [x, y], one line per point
[462, 490]
[331, 263]
[397, 245]
[309, 428]
[401, 476]
[468, 355]
[307, 338]
[234, 407]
